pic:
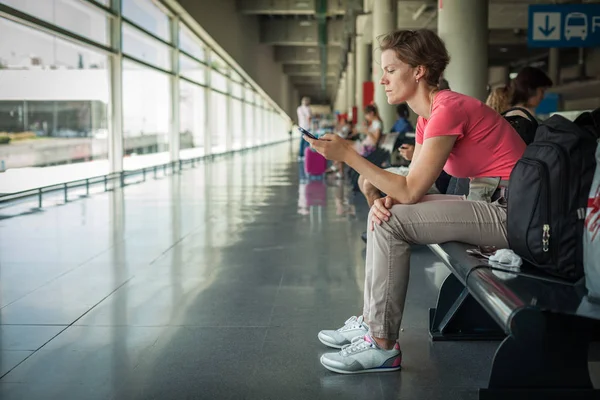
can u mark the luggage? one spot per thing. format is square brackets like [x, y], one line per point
[525, 127]
[591, 237]
[314, 163]
[548, 196]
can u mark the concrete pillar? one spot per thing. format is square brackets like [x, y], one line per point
[350, 82]
[463, 25]
[497, 76]
[342, 102]
[554, 65]
[384, 21]
[363, 38]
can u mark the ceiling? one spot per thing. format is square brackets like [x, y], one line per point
[311, 37]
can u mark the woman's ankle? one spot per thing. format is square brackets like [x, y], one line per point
[386, 344]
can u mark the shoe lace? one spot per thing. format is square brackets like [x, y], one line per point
[358, 344]
[352, 323]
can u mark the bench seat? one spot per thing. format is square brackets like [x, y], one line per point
[546, 325]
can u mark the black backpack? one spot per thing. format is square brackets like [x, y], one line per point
[548, 193]
[525, 127]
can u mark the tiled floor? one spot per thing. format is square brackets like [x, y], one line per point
[211, 284]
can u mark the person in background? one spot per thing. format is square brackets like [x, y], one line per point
[402, 124]
[527, 90]
[374, 130]
[304, 117]
[498, 99]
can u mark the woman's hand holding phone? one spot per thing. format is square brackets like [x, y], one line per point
[330, 146]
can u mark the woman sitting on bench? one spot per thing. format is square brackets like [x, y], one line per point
[456, 133]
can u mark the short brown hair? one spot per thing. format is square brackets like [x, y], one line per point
[419, 47]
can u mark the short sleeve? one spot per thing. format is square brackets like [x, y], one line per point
[376, 125]
[445, 121]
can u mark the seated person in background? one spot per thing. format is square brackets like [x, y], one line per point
[373, 130]
[402, 126]
[525, 94]
[455, 133]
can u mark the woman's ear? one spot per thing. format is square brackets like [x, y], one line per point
[420, 72]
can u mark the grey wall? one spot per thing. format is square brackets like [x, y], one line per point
[239, 36]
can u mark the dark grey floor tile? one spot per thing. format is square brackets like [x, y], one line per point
[65, 299]
[93, 356]
[10, 359]
[26, 337]
[53, 391]
[197, 363]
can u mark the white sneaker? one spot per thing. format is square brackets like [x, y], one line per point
[362, 356]
[353, 327]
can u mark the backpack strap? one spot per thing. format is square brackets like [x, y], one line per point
[524, 111]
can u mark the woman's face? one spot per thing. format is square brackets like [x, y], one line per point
[369, 116]
[536, 99]
[399, 79]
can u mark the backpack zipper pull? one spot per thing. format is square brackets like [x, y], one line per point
[546, 238]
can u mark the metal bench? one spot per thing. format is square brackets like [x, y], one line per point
[546, 325]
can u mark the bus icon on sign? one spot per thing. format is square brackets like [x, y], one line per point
[576, 25]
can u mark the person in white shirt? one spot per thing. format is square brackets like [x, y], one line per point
[304, 117]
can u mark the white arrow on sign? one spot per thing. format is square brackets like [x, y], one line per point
[546, 26]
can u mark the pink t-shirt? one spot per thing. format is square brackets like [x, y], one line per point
[486, 146]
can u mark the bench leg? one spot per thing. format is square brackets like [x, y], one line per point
[458, 316]
[546, 358]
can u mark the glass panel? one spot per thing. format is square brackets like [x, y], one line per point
[192, 69]
[249, 95]
[219, 64]
[54, 100]
[189, 43]
[249, 125]
[236, 114]
[236, 90]
[145, 48]
[103, 2]
[74, 15]
[258, 125]
[218, 122]
[146, 115]
[147, 15]
[236, 77]
[218, 81]
[192, 119]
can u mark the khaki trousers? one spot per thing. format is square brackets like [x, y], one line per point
[436, 219]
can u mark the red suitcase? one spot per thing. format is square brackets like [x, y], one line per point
[314, 163]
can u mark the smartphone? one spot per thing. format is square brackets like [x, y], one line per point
[307, 133]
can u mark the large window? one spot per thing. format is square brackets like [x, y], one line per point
[51, 90]
[57, 93]
[250, 133]
[191, 69]
[192, 119]
[145, 48]
[146, 112]
[218, 126]
[238, 120]
[149, 16]
[74, 15]
[189, 43]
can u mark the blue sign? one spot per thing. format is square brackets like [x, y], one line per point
[569, 25]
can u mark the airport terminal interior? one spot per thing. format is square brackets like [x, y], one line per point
[163, 234]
